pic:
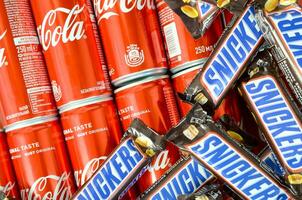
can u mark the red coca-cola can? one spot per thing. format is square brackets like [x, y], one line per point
[40, 160]
[183, 50]
[72, 50]
[182, 80]
[25, 94]
[132, 40]
[91, 132]
[8, 183]
[152, 100]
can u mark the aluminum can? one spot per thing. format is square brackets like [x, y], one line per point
[182, 49]
[72, 50]
[25, 93]
[151, 100]
[8, 183]
[91, 132]
[132, 39]
[40, 160]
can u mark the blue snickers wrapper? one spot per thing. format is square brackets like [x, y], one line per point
[228, 61]
[124, 166]
[198, 135]
[282, 30]
[277, 115]
[184, 178]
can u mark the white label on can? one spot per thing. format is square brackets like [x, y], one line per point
[172, 40]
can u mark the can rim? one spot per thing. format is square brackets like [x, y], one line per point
[123, 80]
[189, 64]
[145, 80]
[30, 122]
[84, 102]
[186, 71]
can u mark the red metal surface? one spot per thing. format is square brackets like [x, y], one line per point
[25, 89]
[91, 133]
[8, 182]
[72, 49]
[132, 40]
[41, 162]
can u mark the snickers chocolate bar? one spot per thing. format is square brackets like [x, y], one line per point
[282, 29]
[277, 115]
[228, 61]
[185, 177]
[198, 135]
[124, 166]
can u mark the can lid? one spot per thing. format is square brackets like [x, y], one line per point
[126, 79]
[84, 102]
[141, 81]
[30, 122]
[187, 71]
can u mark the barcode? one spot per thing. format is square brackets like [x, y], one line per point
[172, 40]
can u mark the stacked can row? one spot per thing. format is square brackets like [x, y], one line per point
[82, 95]
[81, 90]
[78, 78]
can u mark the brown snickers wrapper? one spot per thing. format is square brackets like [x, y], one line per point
[190, 13]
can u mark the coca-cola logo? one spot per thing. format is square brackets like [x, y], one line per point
[71, 30]
[103, 8]
[161, 161]
[90, 168]
[7, 188]
[2, 53]
[42, 188]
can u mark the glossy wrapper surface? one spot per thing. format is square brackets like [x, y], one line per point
[198, 135]
[183, 79]
[282, 31]
[183, 178]
[125, 165]
[229, 60]
[277, 116]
